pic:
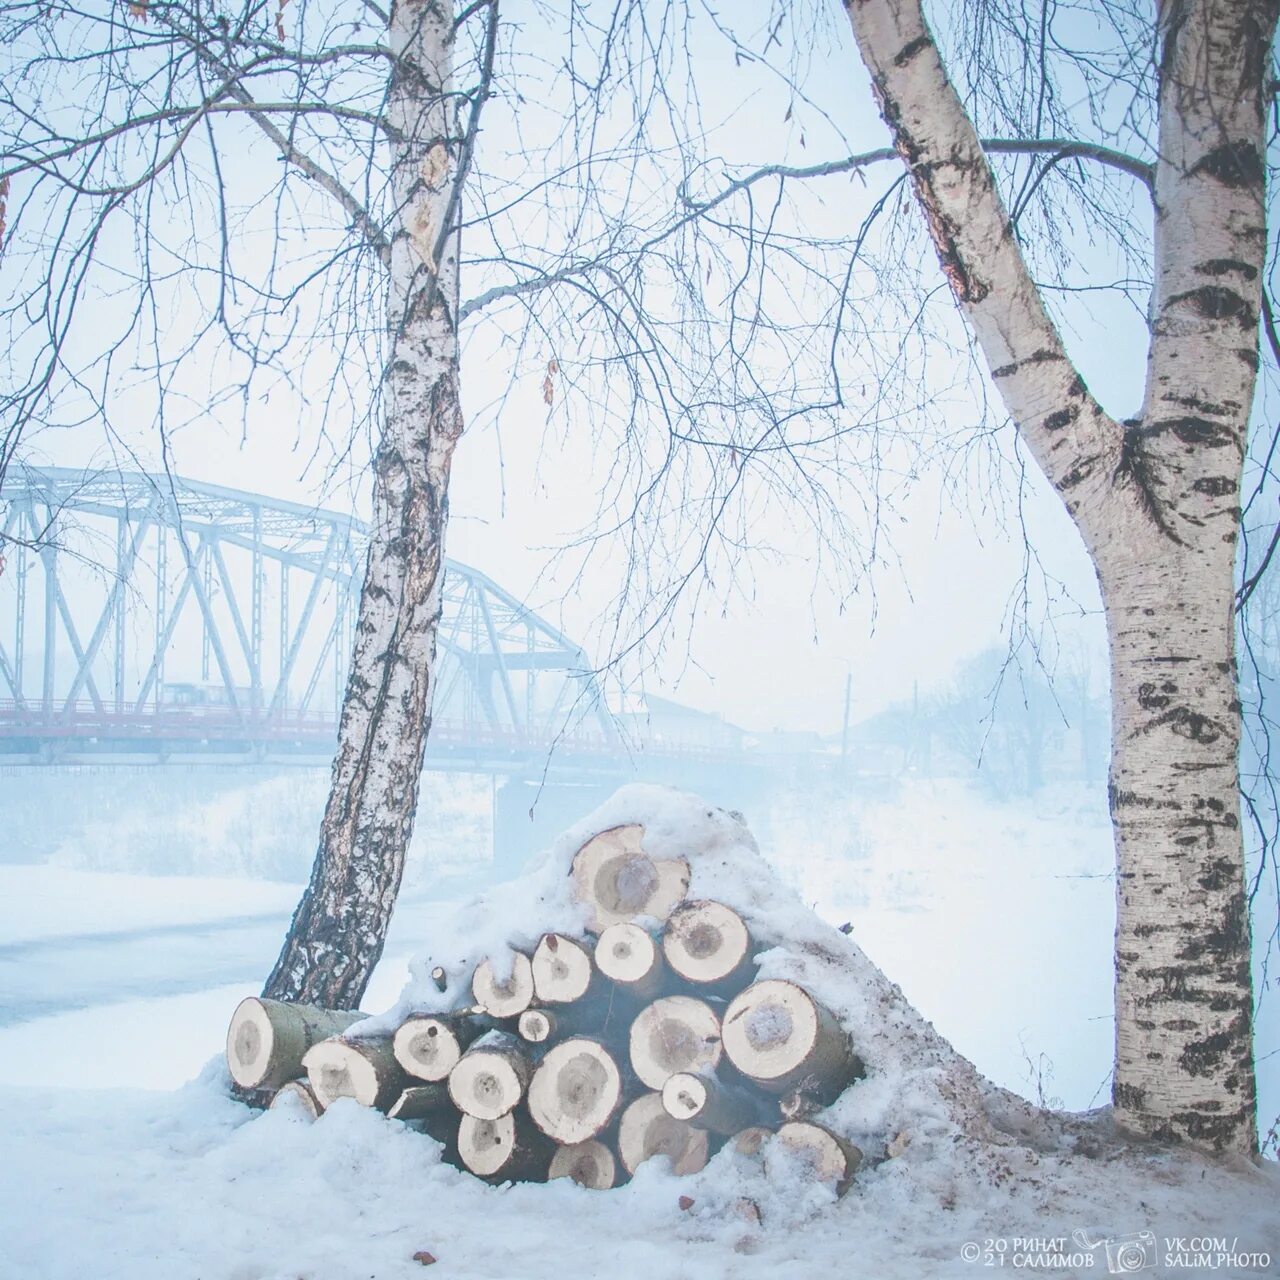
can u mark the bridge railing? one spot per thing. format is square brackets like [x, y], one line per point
[283, 727]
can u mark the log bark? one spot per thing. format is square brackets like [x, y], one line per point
[267, 1039]
[590, 1164]
[707, 1102]
[646, 1130]
[674, 1034]
[421, 1102]
[365, 1070]
[616, 880]
[491, 1078]
[708, 944]
[575, 1091]
[504, 997]
[829, 1157]
[1157, 502]
[631, 960]
[428, 1046]
[297, 1095]
[778, 1035]
[340, 926]
[504, 1149]
[562, 969]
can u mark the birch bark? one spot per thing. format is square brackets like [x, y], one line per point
[340, 925]
[1156, 501]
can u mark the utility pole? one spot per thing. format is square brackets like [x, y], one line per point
[844, 734]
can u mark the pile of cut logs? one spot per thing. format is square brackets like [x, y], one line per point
[590, 1055]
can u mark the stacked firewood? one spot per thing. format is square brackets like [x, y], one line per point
[592, 1054]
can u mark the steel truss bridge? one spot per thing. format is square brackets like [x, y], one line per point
[147, 618]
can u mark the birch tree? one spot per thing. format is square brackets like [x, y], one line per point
[340, 925]
[1156, 500]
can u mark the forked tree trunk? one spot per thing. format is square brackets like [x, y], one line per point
[1157, 502]
[340, 925]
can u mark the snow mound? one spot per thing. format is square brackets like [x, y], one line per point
[917, 1090]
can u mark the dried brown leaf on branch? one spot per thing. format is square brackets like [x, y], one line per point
[549, 383]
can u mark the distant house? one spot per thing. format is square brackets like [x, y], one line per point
[660, 720]
[793, 742]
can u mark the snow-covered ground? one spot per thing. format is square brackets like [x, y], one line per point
[994, 919]
[191, 1186]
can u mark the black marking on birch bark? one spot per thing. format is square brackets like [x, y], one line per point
[1043, 356]
[910, 50]
[1226, 940]
[1129, 1097]
[1156, 698]
[1217, 874]
[1062, 418]
[943, 230]
[1120, 799]
[1234, 164]
[1219, 1132]
[1081, 471]
[1135, 471]
[1205, 408]
[1217, 302]
[1250, 357]
[1215, 486]
[1187, 723]
[1225, 266]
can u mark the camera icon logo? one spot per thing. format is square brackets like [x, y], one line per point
[1126, 1255]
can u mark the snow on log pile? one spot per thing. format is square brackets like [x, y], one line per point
[648, 988]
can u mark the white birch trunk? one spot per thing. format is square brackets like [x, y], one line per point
[1184, 1000]
[1156, 502]
[340, 925]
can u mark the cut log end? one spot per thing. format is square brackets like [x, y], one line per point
[646, 1130]
[777, 1034]
[504, 997]
[266, 1039]
[706, 1102]
[364, 1070]
[674, 1034]
[590, 1164]
[627, 955]
[490, 1078]
[616, 880]
[296, 1096]
[575, 1091]
[486, 1146]
[685, 1096]
[427, 1048]
[561, 969]
[537, 1026]
[827, 1156]
[706, 942]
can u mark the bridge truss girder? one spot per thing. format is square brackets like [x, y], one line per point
[211, 565]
